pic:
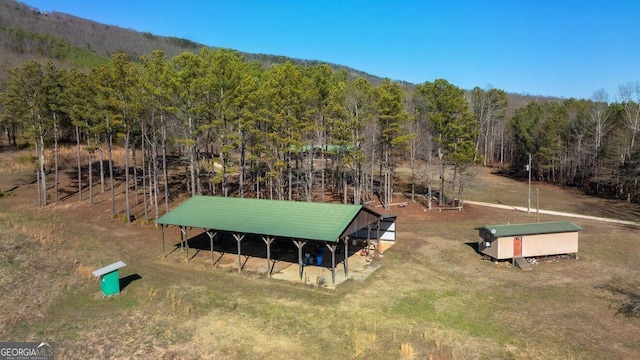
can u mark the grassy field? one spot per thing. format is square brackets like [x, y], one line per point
[433, 297]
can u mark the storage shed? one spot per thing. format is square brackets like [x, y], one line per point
[528, 240]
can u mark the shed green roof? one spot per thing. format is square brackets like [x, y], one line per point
[300, 220]
[531, 229]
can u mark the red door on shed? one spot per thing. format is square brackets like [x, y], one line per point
[517, 246]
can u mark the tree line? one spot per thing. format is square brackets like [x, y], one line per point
[591, 144]
[296, 132]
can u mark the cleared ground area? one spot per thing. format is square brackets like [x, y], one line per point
[431, 297]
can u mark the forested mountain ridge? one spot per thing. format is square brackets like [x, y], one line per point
[27, 33]
[103, 39]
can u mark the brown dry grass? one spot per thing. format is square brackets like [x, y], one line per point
[433, 298]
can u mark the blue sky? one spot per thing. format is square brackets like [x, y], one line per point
[561, 48]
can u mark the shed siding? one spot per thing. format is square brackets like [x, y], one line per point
[532, 245]
[549, 244]
[505, 248]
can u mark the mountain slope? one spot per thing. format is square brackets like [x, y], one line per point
[27, 33]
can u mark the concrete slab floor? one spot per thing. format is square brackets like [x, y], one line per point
[358, 269]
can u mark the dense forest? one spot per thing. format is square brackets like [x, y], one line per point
[293, 131]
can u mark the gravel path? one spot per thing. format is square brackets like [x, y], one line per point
[550, 212]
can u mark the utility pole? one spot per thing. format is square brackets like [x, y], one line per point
[529, 196]
[537, 207]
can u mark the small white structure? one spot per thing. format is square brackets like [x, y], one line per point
[528, 240]
[386, 232]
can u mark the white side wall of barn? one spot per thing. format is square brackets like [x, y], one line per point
[387, 232]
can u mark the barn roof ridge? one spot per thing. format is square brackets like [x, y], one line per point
[280, 218]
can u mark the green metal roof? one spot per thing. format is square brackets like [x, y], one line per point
[299, 220]
[531, 229]
[329, 148]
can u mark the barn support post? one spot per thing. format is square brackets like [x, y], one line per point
[185, 234]
[212, 234]
[239, 238]
[377, 253]
[368, 241]
[332, 248]
[300, 244]
[164, 254]
[268, 240]
[346, 257]
[181, 239]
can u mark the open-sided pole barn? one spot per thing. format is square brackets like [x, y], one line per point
[301, 222]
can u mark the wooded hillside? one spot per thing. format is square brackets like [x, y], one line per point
[27, 33]
[287, 130]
